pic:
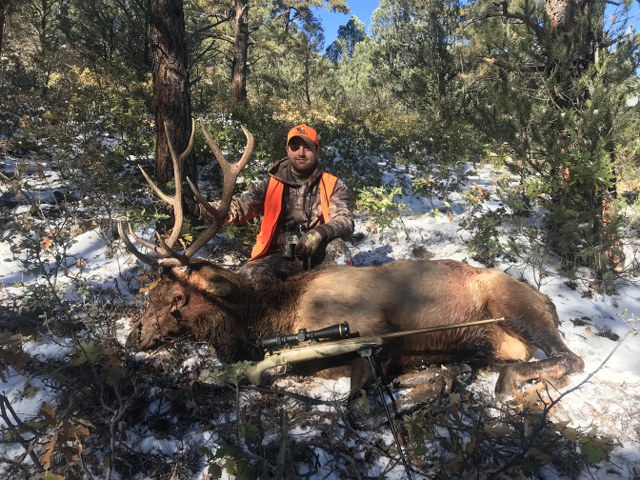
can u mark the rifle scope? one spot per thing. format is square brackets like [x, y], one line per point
[334, 332]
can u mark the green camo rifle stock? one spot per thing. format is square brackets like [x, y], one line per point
[324, 349]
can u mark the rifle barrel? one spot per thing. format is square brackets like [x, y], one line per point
[438, 328]
[286, 356]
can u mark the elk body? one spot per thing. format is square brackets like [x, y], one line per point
[231, 312]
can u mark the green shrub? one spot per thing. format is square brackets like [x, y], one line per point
[485, 244]
[379, 205]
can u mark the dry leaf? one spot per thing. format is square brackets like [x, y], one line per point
[48, 412]
[48, 449]
[46, 243]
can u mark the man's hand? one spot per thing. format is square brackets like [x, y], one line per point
[310, 241]
[206, 215]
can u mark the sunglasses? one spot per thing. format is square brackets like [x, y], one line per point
[294, 146]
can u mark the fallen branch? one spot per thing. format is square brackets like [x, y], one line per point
[5, 410]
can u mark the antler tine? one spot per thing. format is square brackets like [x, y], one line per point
[173, 257]
[211, 230]
[248, 149]
[203, 201]
[144, 258]
[163, 196]
[155, 260]
[177, 169]
[202, 240]
[230, 172]
[176, 201]
[142, 241]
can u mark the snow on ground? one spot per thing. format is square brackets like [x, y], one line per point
[608, 402]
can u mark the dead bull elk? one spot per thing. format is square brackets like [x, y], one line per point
[224, 308]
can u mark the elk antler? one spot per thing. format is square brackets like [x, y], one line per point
[230, 175]
[165, 252]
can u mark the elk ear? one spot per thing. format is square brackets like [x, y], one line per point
[178, 299]
[220, 286]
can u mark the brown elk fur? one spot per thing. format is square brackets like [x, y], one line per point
[231, 313]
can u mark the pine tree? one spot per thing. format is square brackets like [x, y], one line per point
[548, 86]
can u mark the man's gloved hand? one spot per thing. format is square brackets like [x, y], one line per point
[204, 214]
[310, 241]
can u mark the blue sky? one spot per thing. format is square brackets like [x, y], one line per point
[332, 21]
[364, 8]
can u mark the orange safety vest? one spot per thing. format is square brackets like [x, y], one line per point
[273, 208]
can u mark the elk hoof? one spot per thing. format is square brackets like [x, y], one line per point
[507, 382]
[464, 373]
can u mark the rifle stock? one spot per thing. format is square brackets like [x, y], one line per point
[313, 351]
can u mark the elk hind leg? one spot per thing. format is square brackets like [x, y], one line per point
[551, 369]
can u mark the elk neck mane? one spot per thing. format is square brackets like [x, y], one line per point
[249, 310]
[276, 306]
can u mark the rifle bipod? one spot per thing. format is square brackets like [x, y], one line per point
[368, 353]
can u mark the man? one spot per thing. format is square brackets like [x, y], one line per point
[306, 215]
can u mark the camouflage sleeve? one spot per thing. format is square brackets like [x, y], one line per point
[340, 211]
[243, 207]
[248, 205]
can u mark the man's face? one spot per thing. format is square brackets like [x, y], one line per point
[303, 157]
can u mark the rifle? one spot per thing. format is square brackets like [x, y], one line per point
[343, 342]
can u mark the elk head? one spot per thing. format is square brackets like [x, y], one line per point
[179, 297]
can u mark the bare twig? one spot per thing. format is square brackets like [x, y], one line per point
[592, 374]
[5, 410]
[284, 443]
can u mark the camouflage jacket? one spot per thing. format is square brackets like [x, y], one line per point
[301, 204]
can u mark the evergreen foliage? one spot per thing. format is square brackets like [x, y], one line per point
[349, 36]
[553, 95]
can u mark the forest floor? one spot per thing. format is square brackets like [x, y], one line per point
[83, 408]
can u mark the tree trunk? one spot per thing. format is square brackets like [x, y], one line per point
[240, 49]
[4, 7]
[170, 86]
[307, 77]
[569, 20]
